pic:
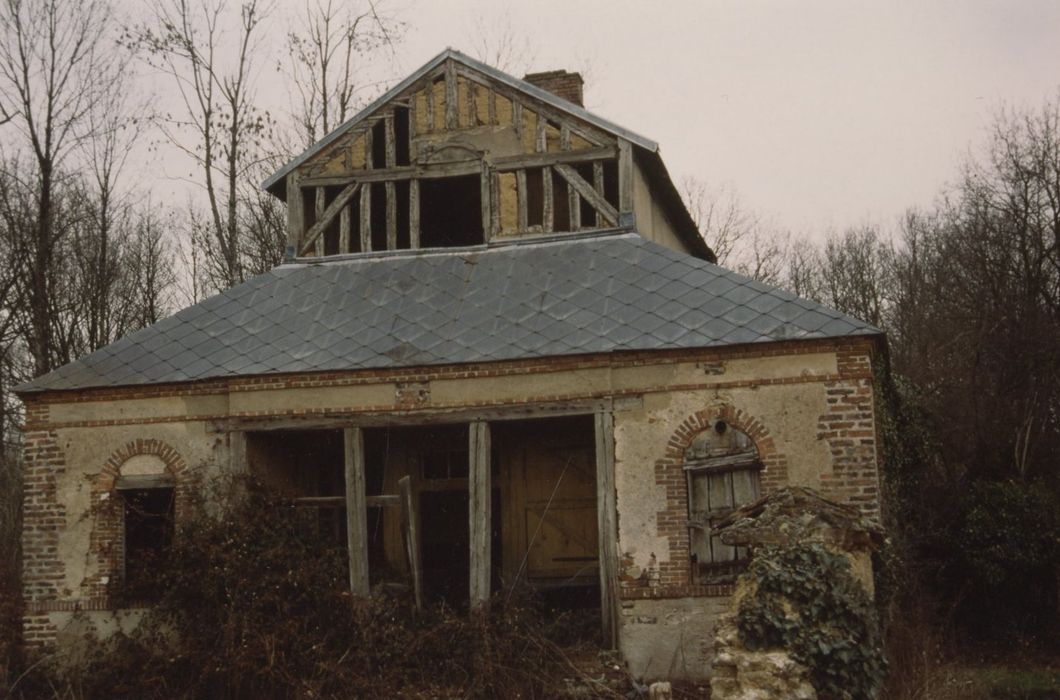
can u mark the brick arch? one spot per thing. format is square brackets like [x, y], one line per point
[107, 540]
[669, 473]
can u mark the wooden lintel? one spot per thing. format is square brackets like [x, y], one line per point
[356, 511]
[573, 407]
[328, 215]
[480, 521]
[589, 193]
[381, 501]
[607, 525]
[469, 167]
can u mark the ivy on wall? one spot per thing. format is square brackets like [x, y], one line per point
[805, 599]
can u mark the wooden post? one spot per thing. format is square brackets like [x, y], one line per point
[546, 199]
[356, 511]
[479, 512]
[598, 185]
[607, 525]
[520, 189]
[344, 229]
[411, 531]
[414, 213]
[318, 210]
[625, 177]
[389, 143]
[452, 107]
[484, 195]
[391, 215]
[366, 218]
[295, 214]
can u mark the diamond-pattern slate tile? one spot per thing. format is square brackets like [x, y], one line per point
[583, 294]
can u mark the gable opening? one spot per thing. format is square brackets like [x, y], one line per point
[451, 212]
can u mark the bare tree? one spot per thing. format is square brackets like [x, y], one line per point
[327, 52]
[500, 44]
[220, 127]
[54, 71]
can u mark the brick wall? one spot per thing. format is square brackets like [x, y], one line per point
[560, 83]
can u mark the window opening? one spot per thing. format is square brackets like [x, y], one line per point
[378, 220]
[148, 538]
[560, 203]
[401, 135]
[535, 198]
[379, 144]
[451, 212]
[722, 466]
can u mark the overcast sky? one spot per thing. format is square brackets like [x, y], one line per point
[821, 114]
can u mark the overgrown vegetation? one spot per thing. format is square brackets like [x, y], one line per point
[252, 604]
[805, 599]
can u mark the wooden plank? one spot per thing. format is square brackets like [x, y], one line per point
[491, 105]
[412, 122]
[368, 163]
[598, 185]
[607, 525]
[577, 183]
[237, 452]
[327, 216]
[391, 216]
[452, 107]
[472, 104]
[495, 206]
[414, 214]
[410, 530]
[520, 190]
[564, 137]
[548, 206]
[366, 219]
[344, 229]
[383, 501]
[517, 119]
[295, 214]
[625, 176]
[390, 143]
[356, 512]
[479, 506]
[540, 135]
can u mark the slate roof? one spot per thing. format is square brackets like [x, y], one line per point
[579, 294]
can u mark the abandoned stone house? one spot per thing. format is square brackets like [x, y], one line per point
[498, 337]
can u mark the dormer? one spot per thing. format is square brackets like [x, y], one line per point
[461, 154]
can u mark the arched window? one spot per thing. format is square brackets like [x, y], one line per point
[722, 467]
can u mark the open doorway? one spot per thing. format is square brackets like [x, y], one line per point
[451, 212]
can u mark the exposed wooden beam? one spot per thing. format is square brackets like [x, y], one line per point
[356, 511]
[520, 191]
[319, 201]
[583, 188]
[547, 205]
[430, 106]
[503, 164]
[391, 215]
[325, 218]
[414, 214]
[479, 507]
[598, 185]
[472, 104]
[411, 531]
[368, 148]
[491, 106]
[366, 219]
[517, 118]
[390, 143]
[295, 213]
[344, 229]
[540, 134]
[607, 525]
[452, 107]
[625, 176]
[572, 407]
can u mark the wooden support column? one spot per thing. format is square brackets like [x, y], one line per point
[321, 205]
[491, 107]
[366, 219]
[487, 201]
[391, 215]
[546, 200]
[344, 229]
[411, 531]
[598, 185]
[625, 180]
[607, 525]
[414, 214]
[356, 511]
[520, 191]
[479, 512]
[295, 214]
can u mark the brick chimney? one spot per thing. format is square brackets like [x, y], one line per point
[560, 83]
